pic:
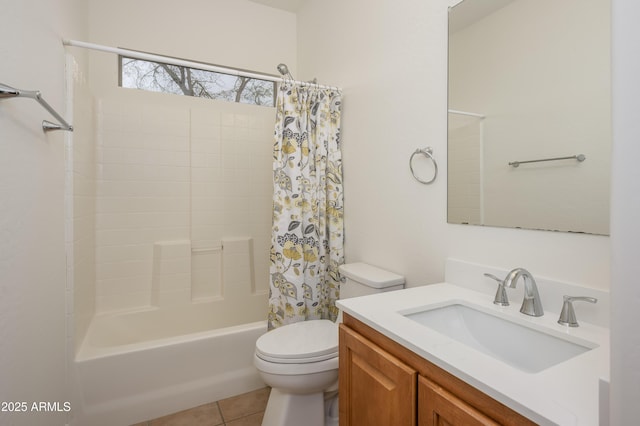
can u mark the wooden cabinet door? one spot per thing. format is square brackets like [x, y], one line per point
[376, 389]
[438, 407]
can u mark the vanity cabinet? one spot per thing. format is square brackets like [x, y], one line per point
[439, 407]
[376, 388]
[383, 383]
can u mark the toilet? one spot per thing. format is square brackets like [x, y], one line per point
[299, 361]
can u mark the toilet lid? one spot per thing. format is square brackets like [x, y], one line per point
[300, 342]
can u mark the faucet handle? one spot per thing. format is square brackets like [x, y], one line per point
[568, 314]
[501, 298]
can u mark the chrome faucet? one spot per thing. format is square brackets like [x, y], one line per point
[500, 298]
[568, 314]
[531, 304]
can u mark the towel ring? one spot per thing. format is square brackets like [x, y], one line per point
[427, 152]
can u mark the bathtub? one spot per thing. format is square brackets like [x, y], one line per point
[142, 365]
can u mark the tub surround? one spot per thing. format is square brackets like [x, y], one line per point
[566, 393]
[176, 180]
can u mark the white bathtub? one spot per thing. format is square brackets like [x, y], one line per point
[177, 365]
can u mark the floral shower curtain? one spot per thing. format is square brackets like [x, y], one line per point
[307, 233]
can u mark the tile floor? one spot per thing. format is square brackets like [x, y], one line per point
[242, 410]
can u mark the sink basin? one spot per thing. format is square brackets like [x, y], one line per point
[515, 344]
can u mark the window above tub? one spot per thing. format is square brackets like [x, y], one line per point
[187, 81]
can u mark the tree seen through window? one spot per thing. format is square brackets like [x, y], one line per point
[180, 80]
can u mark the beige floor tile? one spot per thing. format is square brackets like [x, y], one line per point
[204, 415]
[252, 420]
[244, 405]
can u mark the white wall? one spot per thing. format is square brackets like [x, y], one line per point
[33, 317]
[391, 60]
[625, 211]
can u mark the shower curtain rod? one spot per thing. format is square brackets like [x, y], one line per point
[191, 64]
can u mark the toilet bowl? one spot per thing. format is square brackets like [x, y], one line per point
[299, 361]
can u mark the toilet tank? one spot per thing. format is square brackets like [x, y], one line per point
[361, 279]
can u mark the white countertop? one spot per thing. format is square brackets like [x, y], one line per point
[564, 394]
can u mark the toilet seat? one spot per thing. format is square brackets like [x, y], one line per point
[297, 369]
[299, 343]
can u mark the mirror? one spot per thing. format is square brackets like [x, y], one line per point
[530, 80]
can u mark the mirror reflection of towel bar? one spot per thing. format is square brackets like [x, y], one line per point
[579, 157]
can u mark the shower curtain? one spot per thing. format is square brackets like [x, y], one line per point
[307, 233]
